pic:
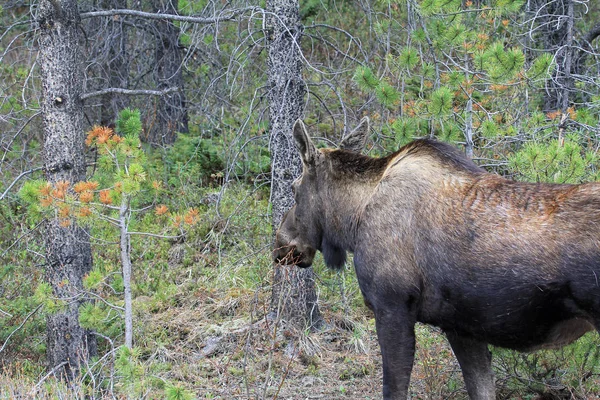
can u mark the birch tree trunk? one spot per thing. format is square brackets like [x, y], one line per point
[293, 288]
[68, 252]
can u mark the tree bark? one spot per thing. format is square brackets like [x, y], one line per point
[294, 294]
[555, 33]
[116, 66]
[125, 244]
[170, 115]
[585, 49]
[68, 250]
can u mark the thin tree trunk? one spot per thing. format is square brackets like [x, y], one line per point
[568, 84]
[117, 65]
[555, 33]
[125, 245]
[170, 114]
[294, 292]
[68, 250]
[107, 58]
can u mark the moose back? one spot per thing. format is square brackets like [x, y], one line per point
[438, 240]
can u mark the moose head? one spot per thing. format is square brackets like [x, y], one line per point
[302, 231]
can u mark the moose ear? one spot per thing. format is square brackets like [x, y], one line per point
[355, 141]
[305, 146]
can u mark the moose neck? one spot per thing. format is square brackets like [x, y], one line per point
[350, 181]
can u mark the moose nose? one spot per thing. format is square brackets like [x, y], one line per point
[284, 254]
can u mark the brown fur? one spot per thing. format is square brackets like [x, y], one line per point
[437, 239]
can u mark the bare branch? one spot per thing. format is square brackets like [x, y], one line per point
[7, 146]
[130, 92]
[20, 326]
[155, 235]
[17, 179]
[226, 16]
[50, 373]
[104, 301]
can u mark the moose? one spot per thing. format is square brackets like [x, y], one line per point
[438, 240]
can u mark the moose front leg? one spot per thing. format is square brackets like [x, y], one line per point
[475, 362]
[396, 335]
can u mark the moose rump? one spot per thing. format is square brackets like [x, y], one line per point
[438, 240]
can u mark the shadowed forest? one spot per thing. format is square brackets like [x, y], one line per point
[146, 155]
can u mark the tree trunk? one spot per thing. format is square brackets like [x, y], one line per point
[125, 244]
[294, 292]
[170, 115]
[107, 62]
[555, 33]
[116, 65]
[68, 256]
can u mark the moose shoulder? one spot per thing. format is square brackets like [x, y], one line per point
[436, 239]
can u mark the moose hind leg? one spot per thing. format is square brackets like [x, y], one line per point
[475, 362]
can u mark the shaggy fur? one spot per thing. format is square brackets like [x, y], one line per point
[436, 239]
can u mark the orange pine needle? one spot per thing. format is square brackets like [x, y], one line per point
[85, 212]
[86, 196]
[105, 197]
[64, 211]
[161, 210]
[62, 185]
[58, 194]
[46, 201]
[80, 187]
[191, 217]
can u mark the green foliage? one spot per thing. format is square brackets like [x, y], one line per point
[505, 7]
[175, 392]
[132, 371]
[93, 279]
[453, 35]
[408, 58]
[93, 316]
[387, 94]
[30, 191]
[30, 195]
[365, 79]
[129, 123]
[555, 162]
[404, 130]
[503, 65]
[199, 158]
[191, 7]
[44, 295]
[430, 7]
[541, 68]
[489, 129]
[450, 132]
[551, 371]
[441, 102]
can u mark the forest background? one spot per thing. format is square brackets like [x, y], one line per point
[177, 115]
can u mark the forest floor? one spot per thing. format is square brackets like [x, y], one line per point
[223, 352]
[218, 345]
[241, 359]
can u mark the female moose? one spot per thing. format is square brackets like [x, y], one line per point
[438, 240]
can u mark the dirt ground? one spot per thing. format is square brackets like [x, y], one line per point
[239, 360]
